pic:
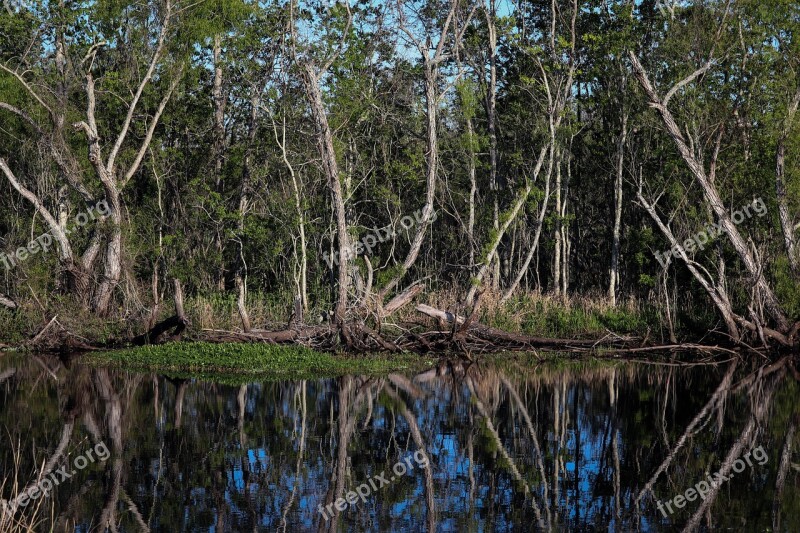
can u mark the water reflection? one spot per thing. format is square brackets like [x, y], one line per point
[509, 447]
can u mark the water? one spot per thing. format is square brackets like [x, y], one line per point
[507, 448]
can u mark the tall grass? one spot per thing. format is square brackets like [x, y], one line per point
[551, 316]
[531, 313]
[38, 515]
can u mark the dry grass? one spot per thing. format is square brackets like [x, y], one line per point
[220, 312]
[546, 315]
[38, 515]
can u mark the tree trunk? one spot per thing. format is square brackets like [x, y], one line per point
[244, 202]
[566, 243]
[557, 235]
[330, 168]
[302, 282]
[219, 149]
[491, 124]
[431, 102]
[615, 244]
[112, 264]
[473, 189]
[511, 216]
[780, 188]
[720, 301]
[219, 112]
[523, 269]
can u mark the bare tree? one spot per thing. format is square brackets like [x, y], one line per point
[787, 226]
[311, 75]
[685, 143]
[432, 58]
[112, 177]
[558, 92]
[615, 244]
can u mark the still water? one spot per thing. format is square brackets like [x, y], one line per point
[481, 447]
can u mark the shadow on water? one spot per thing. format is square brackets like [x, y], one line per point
[507, 448]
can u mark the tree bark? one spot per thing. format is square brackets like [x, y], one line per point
[615, 244]
[244, 202]
[780, 188]
[330, 168]
[219, 150]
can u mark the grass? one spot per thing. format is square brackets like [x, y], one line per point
[544, 315]
[573, 317]
[204, 360]
[37, 515]
[527, 312]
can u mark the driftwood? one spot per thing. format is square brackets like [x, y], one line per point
[401, 300]
[177, 323]
[455, 334]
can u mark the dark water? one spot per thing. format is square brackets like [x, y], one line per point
[507, 448]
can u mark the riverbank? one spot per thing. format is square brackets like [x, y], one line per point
[529, 314]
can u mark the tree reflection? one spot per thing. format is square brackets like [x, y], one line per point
[548, 448]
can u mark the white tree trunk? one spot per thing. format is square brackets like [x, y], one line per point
[330, 168]
[780, 188]
[615, 244]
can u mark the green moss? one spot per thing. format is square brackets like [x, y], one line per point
[201, 360]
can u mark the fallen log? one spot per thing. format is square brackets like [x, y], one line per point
[400, 300]
[276, 337]
[445, 316]
[287, 336]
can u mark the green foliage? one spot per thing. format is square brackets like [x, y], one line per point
[181, 210]
[286, 362]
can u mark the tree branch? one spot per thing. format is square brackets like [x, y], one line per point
[27, 87]
[135, 102]
[339, 48]
[23, 115]
[687, 80]
[58, 234]
[151, 129]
